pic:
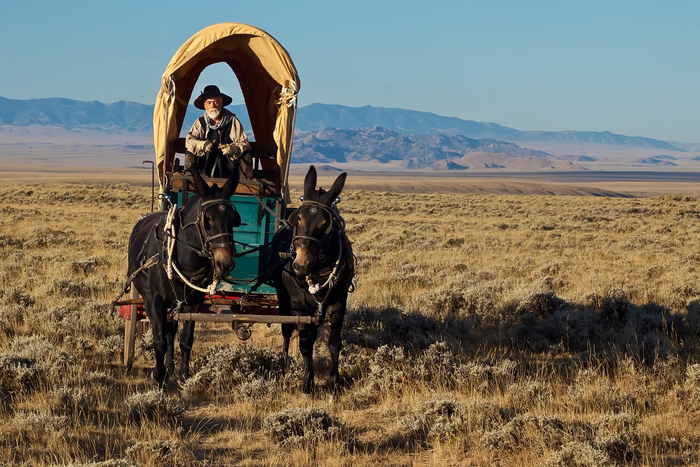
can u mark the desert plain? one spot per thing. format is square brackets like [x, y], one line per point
[520, 320]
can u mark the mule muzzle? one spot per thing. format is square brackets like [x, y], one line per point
[223, 262]
[303, 260]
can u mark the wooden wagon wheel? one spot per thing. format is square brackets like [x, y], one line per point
[130, 331]
[294, 343]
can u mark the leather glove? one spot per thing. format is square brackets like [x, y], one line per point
[206, 146]
[229, 150]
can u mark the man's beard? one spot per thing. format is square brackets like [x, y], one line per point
[214, 113]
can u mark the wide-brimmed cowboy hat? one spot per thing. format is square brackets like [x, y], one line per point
[210, 92]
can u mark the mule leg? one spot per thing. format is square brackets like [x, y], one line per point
[186, 341]
[287, 330]
[336, 313]
[170, 333]
[307, 338]
[160, 345]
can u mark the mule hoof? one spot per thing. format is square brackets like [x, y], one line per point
[334, 382]
[160, 379]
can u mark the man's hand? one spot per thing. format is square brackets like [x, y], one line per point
[206, 146]
[229, 150]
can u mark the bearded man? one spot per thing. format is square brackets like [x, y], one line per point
[217, 139]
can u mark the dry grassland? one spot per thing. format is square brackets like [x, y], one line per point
[485, 330]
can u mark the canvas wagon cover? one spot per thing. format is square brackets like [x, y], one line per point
[265, 72]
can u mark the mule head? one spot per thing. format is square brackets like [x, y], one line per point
[217, 218]
[313, 222]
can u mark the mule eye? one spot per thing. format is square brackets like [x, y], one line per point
[206, 223]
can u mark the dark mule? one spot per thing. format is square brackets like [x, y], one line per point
[203, 251]
[317, 280]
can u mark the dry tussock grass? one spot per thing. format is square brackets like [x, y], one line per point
[485, 330]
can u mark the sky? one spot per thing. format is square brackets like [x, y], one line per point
[628, 67]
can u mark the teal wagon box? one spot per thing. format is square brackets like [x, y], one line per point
[256, 229]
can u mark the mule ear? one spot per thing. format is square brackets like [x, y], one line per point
[337, 187]
[200, 186]
[310, 182]
[232, 182]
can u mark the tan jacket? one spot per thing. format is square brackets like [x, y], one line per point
[196, 136]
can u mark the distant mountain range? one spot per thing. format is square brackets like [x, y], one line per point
[67, 113]
[134, 117]
[118, 117]
[365, 144]
[318, 116]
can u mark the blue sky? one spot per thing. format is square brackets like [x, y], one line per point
[629, 67]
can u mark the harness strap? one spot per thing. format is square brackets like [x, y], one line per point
[332, 277]
[304, 237]
[145, 265]
[152, 261]
[330, 283]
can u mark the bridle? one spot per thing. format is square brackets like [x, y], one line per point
[333, 218]
[206, 240]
